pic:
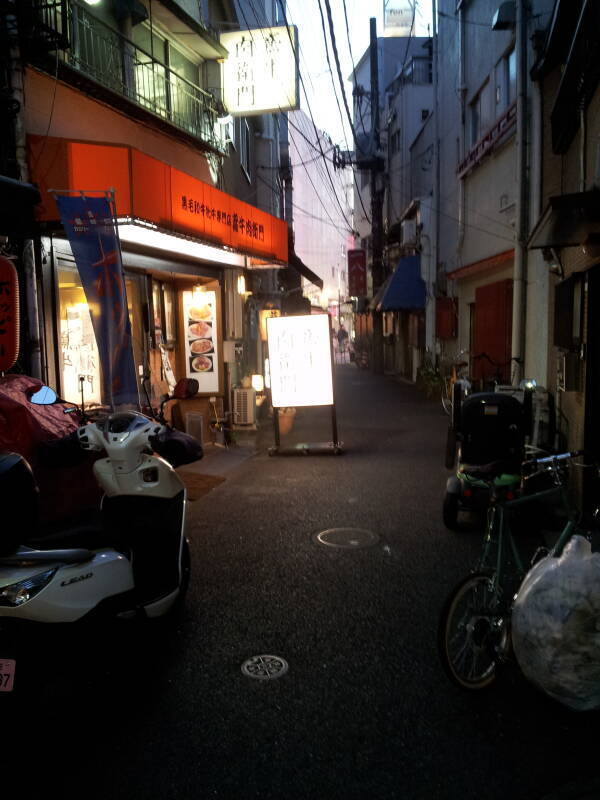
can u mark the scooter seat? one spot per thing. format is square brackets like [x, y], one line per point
[71, 556]
[82, 533]
[487, 472]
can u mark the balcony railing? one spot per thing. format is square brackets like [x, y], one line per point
[103, 54]
[500, 130]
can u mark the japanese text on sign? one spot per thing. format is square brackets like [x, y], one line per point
[300, 360]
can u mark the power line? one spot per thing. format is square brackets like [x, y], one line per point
[256, 16]
[281, 5]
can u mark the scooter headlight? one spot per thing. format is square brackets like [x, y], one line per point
[18, 593]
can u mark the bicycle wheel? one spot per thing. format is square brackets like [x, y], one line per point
[469, 631]
[446, 397]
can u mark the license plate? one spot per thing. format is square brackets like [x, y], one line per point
[7, 674]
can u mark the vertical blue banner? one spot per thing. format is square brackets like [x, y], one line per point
[91, 230]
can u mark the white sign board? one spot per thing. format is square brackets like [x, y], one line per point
[399, 21]
[300, 360]
[261, 72]
[200, 323]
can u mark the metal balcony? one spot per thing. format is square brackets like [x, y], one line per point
[101, 54]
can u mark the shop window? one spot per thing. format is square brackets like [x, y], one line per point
[79, 359]
[163, 310]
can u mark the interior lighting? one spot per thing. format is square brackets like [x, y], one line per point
[241, 285]
[93, 2]
[258, 383]
[150, 236]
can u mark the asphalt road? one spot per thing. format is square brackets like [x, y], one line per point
[364, 710]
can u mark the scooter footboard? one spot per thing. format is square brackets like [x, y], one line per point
[150, 528]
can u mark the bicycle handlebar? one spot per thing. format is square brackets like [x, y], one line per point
[533, 462]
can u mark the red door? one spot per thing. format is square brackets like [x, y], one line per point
[493, 331]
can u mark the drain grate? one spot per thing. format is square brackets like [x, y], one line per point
[347, 538]
[265, 668]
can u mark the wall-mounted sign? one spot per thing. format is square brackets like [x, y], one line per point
[261, 72]
[300, 360]
[357, 273]
[9, 314]
[200, 323]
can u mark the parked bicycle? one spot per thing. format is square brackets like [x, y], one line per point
[496, 373]
[474, 633]
[458, 376]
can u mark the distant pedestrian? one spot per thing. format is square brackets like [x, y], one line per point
[342, 337]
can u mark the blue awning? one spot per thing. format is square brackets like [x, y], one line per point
[404, 290]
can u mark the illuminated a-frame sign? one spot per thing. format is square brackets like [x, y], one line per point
[301, 369]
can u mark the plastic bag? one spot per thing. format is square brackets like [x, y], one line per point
[556, 626]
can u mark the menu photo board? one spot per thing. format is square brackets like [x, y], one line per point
[300, 360]
[200, 321]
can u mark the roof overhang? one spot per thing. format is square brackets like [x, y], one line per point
[567, 221]
[299, 265]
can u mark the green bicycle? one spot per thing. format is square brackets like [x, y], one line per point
[474, 627]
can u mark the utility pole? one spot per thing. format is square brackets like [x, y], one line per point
[377, 268]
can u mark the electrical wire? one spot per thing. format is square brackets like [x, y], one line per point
[335, 197]
[343, 92]
[281, 5]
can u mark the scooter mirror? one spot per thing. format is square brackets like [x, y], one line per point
[44, 396]
[185, 388]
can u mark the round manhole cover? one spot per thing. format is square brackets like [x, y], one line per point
[348, 538]
[265, 668]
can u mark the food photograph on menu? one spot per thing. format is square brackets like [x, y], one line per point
[199, 308]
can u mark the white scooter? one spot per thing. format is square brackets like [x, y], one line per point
[135, 563]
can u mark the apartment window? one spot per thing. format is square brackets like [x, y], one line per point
[505, 82]
[511, 70]
[481, 113]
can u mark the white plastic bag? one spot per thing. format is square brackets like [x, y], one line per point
[556, 626]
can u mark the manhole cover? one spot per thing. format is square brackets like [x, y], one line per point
[348, 538]
[265, 668]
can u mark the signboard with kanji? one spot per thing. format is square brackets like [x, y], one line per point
[357, 273]
[260, 74]
[300, 360]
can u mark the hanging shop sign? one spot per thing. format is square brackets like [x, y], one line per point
[260, 75]
[9, 314]
[91, 229]
[300, 363]
[152, 191]
[357, 273]
[201, 324]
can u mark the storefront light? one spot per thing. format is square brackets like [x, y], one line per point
[241, 285]
[150, 236]
[258, 383]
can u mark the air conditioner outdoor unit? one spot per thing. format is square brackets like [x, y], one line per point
[244, 406]
[409, 231]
